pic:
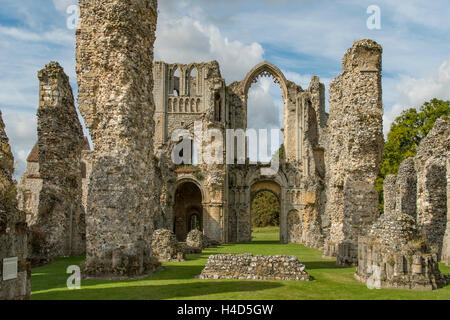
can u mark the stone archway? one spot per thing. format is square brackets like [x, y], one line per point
[188, 209]
[262, 186]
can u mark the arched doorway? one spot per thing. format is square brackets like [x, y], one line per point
[265, 205]
[188, 210]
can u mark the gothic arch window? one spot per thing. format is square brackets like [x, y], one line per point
[217, 107]
[193, 82]
[176, 82]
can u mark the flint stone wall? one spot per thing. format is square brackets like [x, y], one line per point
[59, 229]
[394, 252]
[431, 167]
[355, 148]
[165, 246]
[248, 266]
[114, 68]
[196, 239]
[13, 227]
[446, 245]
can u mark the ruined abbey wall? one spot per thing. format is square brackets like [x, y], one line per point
[15, 285]
[114, 68]
[431, 166]
[59, 226]
[355, 148]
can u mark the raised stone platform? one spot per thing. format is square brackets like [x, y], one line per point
[250, 267]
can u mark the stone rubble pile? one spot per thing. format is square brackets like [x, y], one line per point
[165, 246]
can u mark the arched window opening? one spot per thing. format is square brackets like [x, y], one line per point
[194, 222]
[193, 82]
[176, 81]
[265, 107]
[217, 107]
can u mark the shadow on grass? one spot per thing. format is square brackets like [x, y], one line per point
[311, 265]
[157, 292]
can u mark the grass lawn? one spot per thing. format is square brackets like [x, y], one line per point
[177, 280]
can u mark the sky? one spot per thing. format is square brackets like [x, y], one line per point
[302, 37]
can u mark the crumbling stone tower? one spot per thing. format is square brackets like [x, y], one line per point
[13, 230]
[59, 228]
[355, 148]
[114, 67]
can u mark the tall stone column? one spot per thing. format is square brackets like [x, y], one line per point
[114, 67]
[355, 149]
[446, 246]
[59, 229]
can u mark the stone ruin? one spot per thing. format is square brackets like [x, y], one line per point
[250, 267]
[14, 254]
[58, 229]
[114, 68]
[403, 248]
[355, 150]
[165, 246]
[196, 240]
[129, 186]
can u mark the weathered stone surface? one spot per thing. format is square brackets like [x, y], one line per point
[406, 188]
[402, 258]
[248, 266]
[165, 246]
[395, 253]
[13, 227]
[446, 244]
[196, 239]
[355, 148]
[430, 164]
[114, 68]
[59, 225]
[389, 193]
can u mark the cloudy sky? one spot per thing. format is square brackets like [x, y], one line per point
[302, 37]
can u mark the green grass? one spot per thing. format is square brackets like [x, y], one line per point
[177, 280]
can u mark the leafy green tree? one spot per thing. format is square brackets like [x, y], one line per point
[265, 210]
[405, 135]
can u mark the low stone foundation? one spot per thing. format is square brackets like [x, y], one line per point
[247, 266]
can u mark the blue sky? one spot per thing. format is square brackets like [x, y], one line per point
[302, 37]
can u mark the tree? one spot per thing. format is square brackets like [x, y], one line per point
[405, 135]
[265, 210]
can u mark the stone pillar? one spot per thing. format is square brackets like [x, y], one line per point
[114, 67]
[355, 149]
[59, 230]
[389, 193]
[430, 164]
[446, 245]
[406, 188]
[13, 229]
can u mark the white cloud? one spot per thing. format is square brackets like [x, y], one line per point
[186, 40]
[56, 36]
[61, 5]
[413, 92]
[22, 133]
